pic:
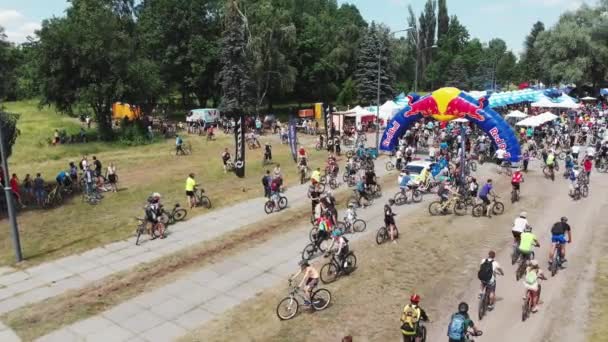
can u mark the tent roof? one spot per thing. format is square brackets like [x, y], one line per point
[588, 98]
[516, 114]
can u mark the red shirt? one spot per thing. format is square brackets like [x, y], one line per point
[588, 165]
[302, 152]
[14, 185]
[516, 178]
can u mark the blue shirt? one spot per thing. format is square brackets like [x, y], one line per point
[178, 141]
[360, 186]
[404, 181]
[443, 145]
[485, 190]
[61, 176]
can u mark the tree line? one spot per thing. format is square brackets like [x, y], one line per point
[251, 55]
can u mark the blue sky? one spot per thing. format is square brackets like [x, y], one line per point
[510, 20]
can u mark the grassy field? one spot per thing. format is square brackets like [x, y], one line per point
[598, 329]
[76, 226]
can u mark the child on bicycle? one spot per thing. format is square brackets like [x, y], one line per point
[310, 280]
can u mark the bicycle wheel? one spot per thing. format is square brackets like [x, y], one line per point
[381, 235]
[390, 166]
[416, 196]
[313, 234]
[205, 202]
[498, 208]
[460, 208]
[268, 207]
[546, 171]
[400, 198]
[478, 210]
[321, 299]
[164, 218]
[513, 196]
[333, 184]
[282, 202]
[482, 306]
[179, 214]
[435, 208]
[351, 263]
[585, 191]
[329, 272]
[308, 252]
[287, 308]
[324, 245]
[525, 310]
[359, 225]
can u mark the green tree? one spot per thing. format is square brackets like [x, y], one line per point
[236, 69]
[506, 70]
[84, 57]
[443, 20]
[348, 94]
[530, 59]
[375, 48]
[9, 61]
[456, 75]
[428, 24]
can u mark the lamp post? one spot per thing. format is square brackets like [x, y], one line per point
[10, 204]
[378, 90]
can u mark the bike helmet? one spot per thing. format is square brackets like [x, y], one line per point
[463, 308]
[304, 263]
[523, 214]
[564, 219]
[528, 229]
[415, 298]
[336, 233]
[156, 195]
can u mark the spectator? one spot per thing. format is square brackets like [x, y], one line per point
[14, 183]
[89, 180]
[28, 187]
[84, 163]
[588, 165]
[56, 138]
[266, 183]
[39, 190]
[88, 121]
[97, 165]
[73, 173]
[63, 179]
[112, 177]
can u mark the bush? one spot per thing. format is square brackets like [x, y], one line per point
[133, 133]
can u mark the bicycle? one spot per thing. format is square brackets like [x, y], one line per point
[53, 199]
[506, 168]
[316, 246]
[455, 203]
[422, 333]
[496, 207]
[185, 150]
[201, 199]
[402, 198]
[514, 195]
[270, 206]
[484, 301]
[580, 191]
[143, 227]
[521, 269]
[175, 215]
[556, 262]
[319, 300]
[527, 306]
[549, 172]
[354, 226]
[331, 270]
[383, 234]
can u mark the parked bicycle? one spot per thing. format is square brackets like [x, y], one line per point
[402, 197]
[288, 306]
[201, 199]
[175, 215]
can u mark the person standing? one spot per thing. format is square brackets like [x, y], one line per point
[39, 190]
[97, 165]
[190, 185]
[112, 178]
[266, 179]
[588, 165]
[14, 183]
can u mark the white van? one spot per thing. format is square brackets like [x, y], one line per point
[209, 115]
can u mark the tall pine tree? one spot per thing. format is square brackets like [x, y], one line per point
[531, 68]
[374, 48]
[428, 25]
[443, 20]
[235, 73]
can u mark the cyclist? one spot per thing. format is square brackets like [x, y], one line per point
[267, 153]
[310, 279]
[410, 319]
[389, 219]
[275, 189]
[460, 323]
[519, 225]
[527, 242]
[341, 249]
[351, 214]
[425, 176]
[516, 179]
[558, 238]
[225, 158]
[573, 178]
[486, 190]
[179, 142]
[316, 175]
[190, 185]
[153, 213]
[550, 162]
[532, 283]
[488, 270]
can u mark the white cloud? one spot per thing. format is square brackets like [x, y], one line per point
[16, 26]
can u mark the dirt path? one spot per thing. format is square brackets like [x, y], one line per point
[564, 295]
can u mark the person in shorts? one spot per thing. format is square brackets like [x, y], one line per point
[558, 237]
[190, 185]
[310, 280]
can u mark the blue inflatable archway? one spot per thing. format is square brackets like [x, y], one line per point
[447, 104]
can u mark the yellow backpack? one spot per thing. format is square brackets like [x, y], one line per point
[410, 317]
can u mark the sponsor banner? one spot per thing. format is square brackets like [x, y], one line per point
[293, 138]
[239, 138]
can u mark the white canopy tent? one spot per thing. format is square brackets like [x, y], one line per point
[388, 110]
[462, 120]
[529, 122]
[516, 114]
[588, 98]
[544, 103]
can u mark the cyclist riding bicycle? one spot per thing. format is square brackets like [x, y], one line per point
[486, 190]
[519, 225]
[310, 279]
[178, 145]
[517, 179]
[410, 319]
[550, 160]
[573, 179]
[460, 323]
[488, 270]
[527, 243]
[558, 238]
[389, 219]
[153, 214]
[532, 282]
[341, 244]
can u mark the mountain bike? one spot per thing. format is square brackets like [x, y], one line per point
[402, 196]
[484, 301]
[175, 215]
[354, 226]
[143, 227]
[521, 269]
[333, 269]
[496, 207]
[317, 244]
[514, 195]
[270, 206]
[383, 234]
[288, 306]
[456, 204]
[556, 264]
[201, 199]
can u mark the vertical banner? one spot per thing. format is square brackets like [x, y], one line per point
[239, 137]
[292, 138]
[327, 123]
[318, 109]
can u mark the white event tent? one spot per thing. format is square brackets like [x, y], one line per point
[538, 120]
[516, 114]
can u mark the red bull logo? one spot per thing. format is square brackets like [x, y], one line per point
[446, 104]
[390, 134]
[500, 143]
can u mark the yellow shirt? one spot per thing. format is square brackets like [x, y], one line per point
[316, 175]
[190, 183]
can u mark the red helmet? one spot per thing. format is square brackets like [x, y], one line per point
[415, 298]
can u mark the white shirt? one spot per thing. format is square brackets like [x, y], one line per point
[590, 151]
[500, 153]
[495, 267]
[520, 224]
[431, 151]
[575, 149]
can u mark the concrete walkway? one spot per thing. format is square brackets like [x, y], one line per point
[173, 310]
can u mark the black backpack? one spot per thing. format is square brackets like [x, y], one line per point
[486, 271]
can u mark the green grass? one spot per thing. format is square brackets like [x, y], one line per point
[76, 226]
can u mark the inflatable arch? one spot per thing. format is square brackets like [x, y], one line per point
[447, 104]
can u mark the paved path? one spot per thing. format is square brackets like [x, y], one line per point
[173, 310]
